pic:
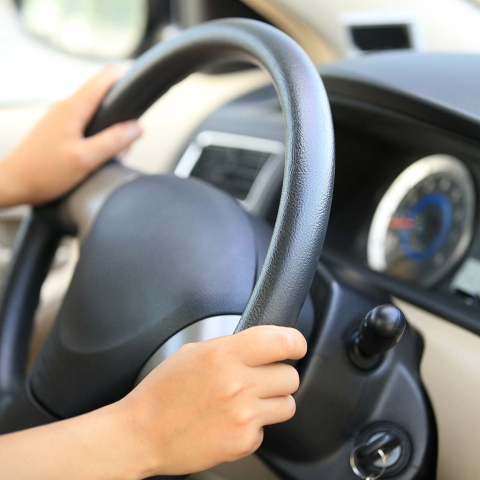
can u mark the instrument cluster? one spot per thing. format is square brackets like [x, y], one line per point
[424, 223]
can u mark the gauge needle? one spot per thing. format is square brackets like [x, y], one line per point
[401, 223]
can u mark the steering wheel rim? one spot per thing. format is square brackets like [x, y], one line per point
[309, 147]
[307, 189]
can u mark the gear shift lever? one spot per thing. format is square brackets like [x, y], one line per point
[380, 330]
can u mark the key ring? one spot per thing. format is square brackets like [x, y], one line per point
[358, 473]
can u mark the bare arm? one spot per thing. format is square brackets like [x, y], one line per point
[91, 446]
[205, 405]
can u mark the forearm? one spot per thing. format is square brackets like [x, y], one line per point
[97, 445]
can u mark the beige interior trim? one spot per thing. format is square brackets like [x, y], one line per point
[316, 47]
[169, 123]
[51, 297]
[450, 370]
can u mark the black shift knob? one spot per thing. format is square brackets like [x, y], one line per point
[381, 329]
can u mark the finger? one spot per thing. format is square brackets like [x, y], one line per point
[268, 344]
[277, 409]
[275, 380]
[87, 99]
[104, 145]
[187, 347]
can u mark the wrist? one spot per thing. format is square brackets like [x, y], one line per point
[141, 459]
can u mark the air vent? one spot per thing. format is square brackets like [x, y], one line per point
[231, 169]
[230, 162]
[374, 38]
[373, 31]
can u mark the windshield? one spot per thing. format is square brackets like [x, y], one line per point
[65, 41]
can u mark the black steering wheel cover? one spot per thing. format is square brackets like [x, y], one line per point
[309, 151]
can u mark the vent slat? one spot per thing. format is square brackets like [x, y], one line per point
[232, 170]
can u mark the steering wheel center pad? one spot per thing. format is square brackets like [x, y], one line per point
[163, 253]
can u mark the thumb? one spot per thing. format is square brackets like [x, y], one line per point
[88, 98]
[106, 144]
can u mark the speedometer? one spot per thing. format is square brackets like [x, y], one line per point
[424, 222]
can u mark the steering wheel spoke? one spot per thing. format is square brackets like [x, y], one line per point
[78, 211]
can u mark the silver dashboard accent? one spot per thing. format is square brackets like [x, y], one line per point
[261, 187]
[84, 204]
[205, 329]
[10, 220]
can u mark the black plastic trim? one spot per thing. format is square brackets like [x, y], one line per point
[34, 249]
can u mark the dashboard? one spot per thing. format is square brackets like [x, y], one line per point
[404, 209]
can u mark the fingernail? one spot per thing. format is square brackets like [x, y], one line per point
[115, 71]
[132, 130]
[121, 154]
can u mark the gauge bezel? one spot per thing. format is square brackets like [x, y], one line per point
[402, 185]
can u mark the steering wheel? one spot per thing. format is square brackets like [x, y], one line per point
[159, 253]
